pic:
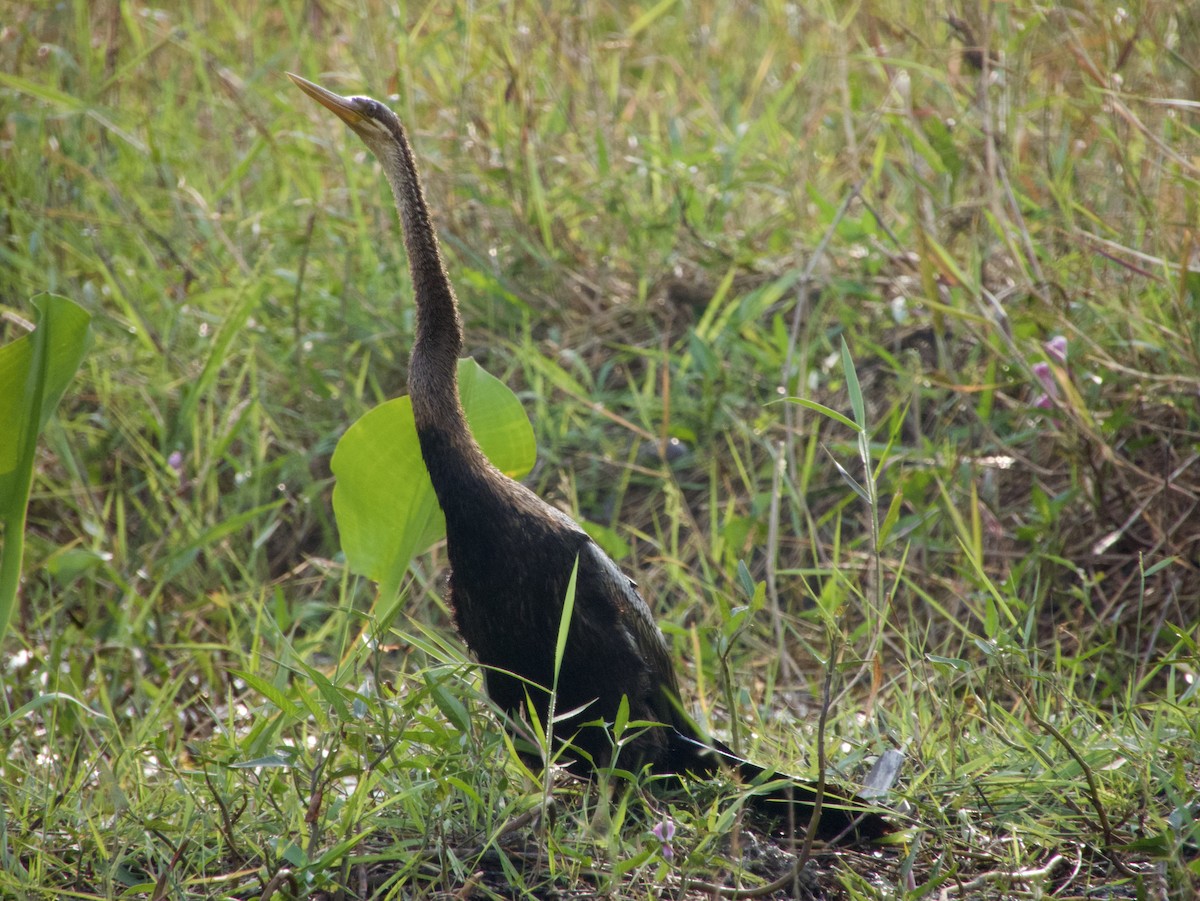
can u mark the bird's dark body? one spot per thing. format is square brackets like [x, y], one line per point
[511, 555]
[511, 558]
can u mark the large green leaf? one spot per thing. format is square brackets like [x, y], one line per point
[383, 500]
[34, 373]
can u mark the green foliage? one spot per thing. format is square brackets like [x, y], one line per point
[34, 373]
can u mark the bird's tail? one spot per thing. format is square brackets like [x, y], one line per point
[787, 801]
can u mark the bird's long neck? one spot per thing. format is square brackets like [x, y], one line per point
[433, 365]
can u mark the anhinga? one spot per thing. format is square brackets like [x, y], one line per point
[512, 554]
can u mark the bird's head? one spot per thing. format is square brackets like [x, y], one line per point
[369, 119]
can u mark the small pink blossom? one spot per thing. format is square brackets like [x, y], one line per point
[1045, 375]
[664, 832]
[1056, 349]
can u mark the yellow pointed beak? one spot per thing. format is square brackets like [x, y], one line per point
[346, 108]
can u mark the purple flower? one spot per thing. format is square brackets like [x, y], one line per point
[1045, 375]
[664, 832]
[175, 461]
[1056, 349]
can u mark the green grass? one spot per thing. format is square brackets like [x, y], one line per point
[662, 220]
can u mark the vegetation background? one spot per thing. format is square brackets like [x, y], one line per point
[663, 219]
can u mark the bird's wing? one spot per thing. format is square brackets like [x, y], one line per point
[631, 614]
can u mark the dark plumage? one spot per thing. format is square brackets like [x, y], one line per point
[511, 554]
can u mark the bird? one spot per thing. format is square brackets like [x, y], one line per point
[512, 556]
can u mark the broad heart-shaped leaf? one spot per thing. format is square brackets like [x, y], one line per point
[383, 500]
[34, 373]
